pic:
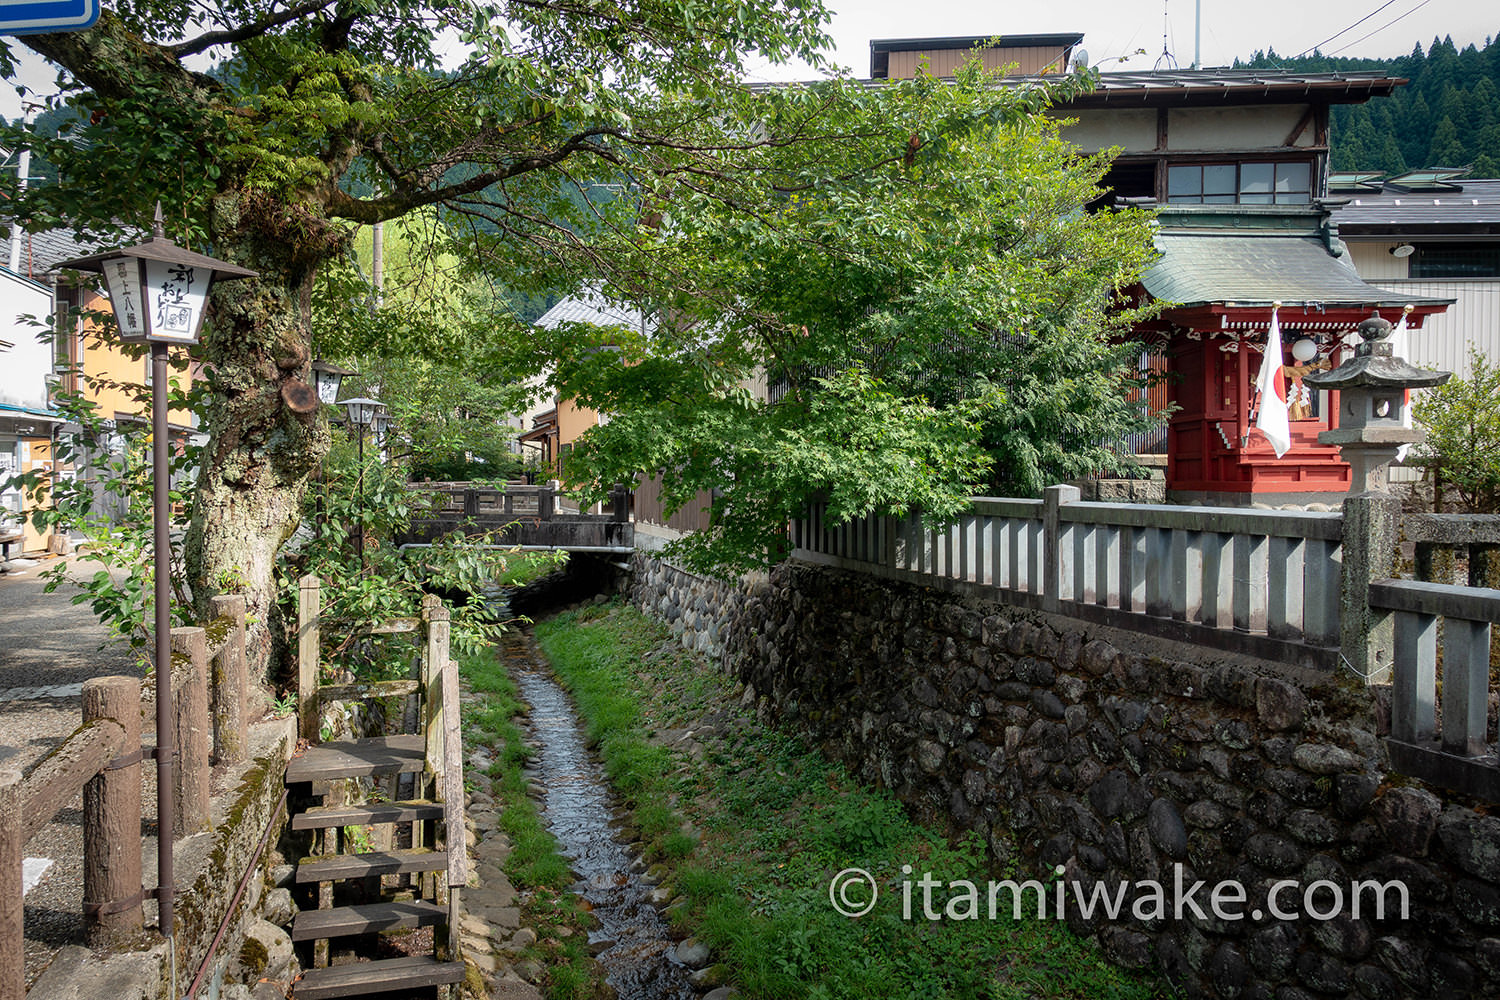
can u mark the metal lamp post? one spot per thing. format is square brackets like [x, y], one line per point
[362, 412]
[158, 292]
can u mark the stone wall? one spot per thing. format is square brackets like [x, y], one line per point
[697, 608]
[1067, 745]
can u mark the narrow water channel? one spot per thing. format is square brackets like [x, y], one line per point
[639, 962]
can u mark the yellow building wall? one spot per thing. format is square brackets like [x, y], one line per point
[572, 421]
[111, 373]
[36, 456]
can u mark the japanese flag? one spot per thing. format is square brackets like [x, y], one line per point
[1271, 384]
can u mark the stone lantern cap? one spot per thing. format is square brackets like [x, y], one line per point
[1374, 366]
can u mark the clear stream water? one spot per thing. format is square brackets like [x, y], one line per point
[639, 962]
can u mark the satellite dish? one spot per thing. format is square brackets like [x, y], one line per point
[1078, 61]
[1404, 250]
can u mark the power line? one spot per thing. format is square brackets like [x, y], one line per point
[1378, 30]
[1351, 27]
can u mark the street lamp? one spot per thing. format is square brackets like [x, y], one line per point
[158, 292]
[363, 412]
[327, 377]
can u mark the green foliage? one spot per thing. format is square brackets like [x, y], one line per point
[936, 311]
[360, 592]
[779, 821]
[1462, 420]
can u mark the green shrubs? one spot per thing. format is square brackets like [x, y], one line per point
[1462, 420]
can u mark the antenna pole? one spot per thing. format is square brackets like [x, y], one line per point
[1197, 33]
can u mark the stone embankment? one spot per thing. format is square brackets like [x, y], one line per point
[1070, 748]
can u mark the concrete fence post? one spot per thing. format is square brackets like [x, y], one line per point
[228, 684]
[190, 683]
[1053, 543]
[1367, 635]
[308, 653]
[112, 819]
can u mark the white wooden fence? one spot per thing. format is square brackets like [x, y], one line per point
[1316, 589]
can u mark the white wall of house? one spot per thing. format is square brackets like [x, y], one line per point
[24, 366]
[1188, 129]
[1444, 341]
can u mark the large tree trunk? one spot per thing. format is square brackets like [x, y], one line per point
[261, 452]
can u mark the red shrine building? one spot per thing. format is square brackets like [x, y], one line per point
[1236, 162]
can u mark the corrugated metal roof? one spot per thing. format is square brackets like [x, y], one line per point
[1257, 270]
[1477, 203]
[589, 306]
[1227, 86]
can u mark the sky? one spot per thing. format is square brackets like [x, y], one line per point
[1113, 29]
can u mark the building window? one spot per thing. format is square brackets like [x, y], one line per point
[1240, 184]
[1455, 260]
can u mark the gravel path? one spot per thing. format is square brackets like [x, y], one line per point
[48, 648]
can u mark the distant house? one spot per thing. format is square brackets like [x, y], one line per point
[26, 415]
[553, 423]
[1430, 233]
[1237, 162]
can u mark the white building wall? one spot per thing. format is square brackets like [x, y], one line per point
[24, 366]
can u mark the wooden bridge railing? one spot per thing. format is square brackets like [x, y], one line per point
[1319, 589]
[102, 758]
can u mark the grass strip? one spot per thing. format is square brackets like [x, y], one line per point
[756, 824]
[538, 871]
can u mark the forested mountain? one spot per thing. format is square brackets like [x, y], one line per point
[1448, 115]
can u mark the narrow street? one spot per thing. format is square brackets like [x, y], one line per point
[48, 648]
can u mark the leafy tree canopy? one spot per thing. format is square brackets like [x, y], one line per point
[321, 114]
[932, 304]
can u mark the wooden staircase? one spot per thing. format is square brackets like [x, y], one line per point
[352, 893]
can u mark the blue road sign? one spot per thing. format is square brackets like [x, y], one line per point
[34, 17]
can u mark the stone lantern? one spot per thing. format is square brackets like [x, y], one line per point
[1372, 424]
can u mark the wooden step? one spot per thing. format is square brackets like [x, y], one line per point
[404, 754]
[367, 918]
[334, 867]
[381, 976]
[321, 817]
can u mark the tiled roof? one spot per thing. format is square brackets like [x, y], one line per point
[40, 252]
[1257, 269]
[1476, 203]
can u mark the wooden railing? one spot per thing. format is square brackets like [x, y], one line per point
[102, 759]
[1265, 583]
[434, 680]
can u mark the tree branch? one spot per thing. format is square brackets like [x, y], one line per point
[252, 30]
